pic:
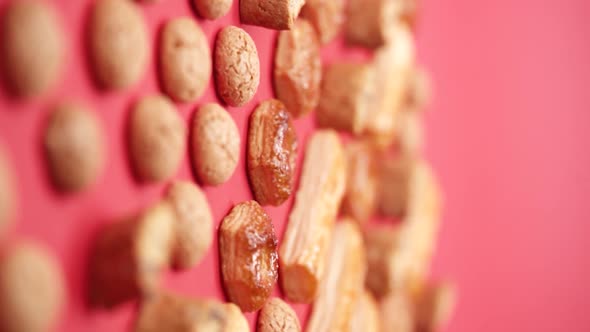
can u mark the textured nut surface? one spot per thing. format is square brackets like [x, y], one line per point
[118, 42]
[32, 289]
[365, 316]
[309, 230]
[215, 144]
[435, 306]
[237, 67]
[32, 47]
[272, 14]
[248, 254]
[74, 146]
[297, 68]
[157, 138]
[396, 313]
[369, 22]
[212, 9]
[194, 223]
[185, 59]
[278, 316]
[272, 151]
[360, 198]
[7, 191]
[326, 16]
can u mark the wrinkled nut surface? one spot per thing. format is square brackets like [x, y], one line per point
[118, 43]
[32, 47]
[248, 253]
[278, 316]
[74, 146]
[297, 68]
[271, 14]
[237, 67]
[369, 22]
[325, 16]
[212, 9]
[7, 191]
[32, 289]
[342, 284]
[360, 198]
[215, 144]
[185, 59]
[157, 138]
[172, 313]
[129, 256]
[435, 306]
[194, 223]
[272, 152]
[365, 317]
[346, 92]
[396, 313]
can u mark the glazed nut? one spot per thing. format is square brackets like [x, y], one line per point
[365, 317]
[271, 14]
[212, 9]
[276, 315]
[369, 22]
[7, 191]
[397, 313]
[435, 306]
[297, 68]
[248, 254]
[304, 248]
[272, 151]
[342, 284]
[360, 198]
[129, 256]
[325, 16]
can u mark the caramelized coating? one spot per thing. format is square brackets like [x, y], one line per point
[277, 316]
[435, 306]
[365, 317]
[369, 22]
[360, 198]
[396, 313]
[342, 284]
[272, 152]
[309, 231]
[271, 14]
[248, 253]
[326, 16]
[7, 191]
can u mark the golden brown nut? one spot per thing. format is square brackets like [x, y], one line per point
[369, 22]
[360, 198]
[7, 191]
[326, 16]
[129, 256]
[396, 312]
[272, 14]
[307, 237]
[248, 253]
[435, 306]
[297, 68]
[172, 313]
[365, 316]
[342, 284]
[32, 289]
[277, 316]
[194, 223]
[272, 151]
[212, 9]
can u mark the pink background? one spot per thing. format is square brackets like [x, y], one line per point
[508, 133]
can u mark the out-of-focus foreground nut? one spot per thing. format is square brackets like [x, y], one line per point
[342, 284]
[272, 152]
[369, 22]
[272, 14]
[304, 248]
[32, 289]
[397, 313]
[419, 89]
[171, 313]
[325, 16]
[7, 191]
[130, 255]
[277, 316]
[360, 198]
[409, 133]
[435, 306]
[248, 254]
[212, 9]
[297, 68]
[194, 223]
[365, 317]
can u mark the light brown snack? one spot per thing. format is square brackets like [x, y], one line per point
[185, 59]
[303, 252]
[369, 22]
[215, 144]
[365, 317]
[118, 43]
[237, 67]
[157, 138]
[194, 223]
[409, 133]
[346, 94]
[278, 316]
[129, 256]
[297, 68]
[74, 146]
[272, 152]
[7, 191]
[396, 312]
[419, 89]
[271, 14]
[326, 16]
[212, 9]
[360, 198]
[32, 289]
[408, 11]
[32, 47]
[435, 306]
[248, 254]
[172, 313]
[342, 284]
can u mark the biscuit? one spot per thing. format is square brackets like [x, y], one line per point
[326, 17]
[271, 14]
[212, 9]
[185, 60]
[369, 22]
[237, 67]
[32, 289]
[215, 143]
[118, 43]
[157, 138]
[32, 47]
[7, 191]
[297, 68]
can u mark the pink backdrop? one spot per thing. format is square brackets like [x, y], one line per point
[508, 133]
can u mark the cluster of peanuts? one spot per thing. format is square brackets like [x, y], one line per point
[358, 276]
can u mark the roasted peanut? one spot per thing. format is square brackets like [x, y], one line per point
[360, 198]
[397, 313]
[435, 306]
[272, 14]
[277, 316]
[325, 16]
[365, 316]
